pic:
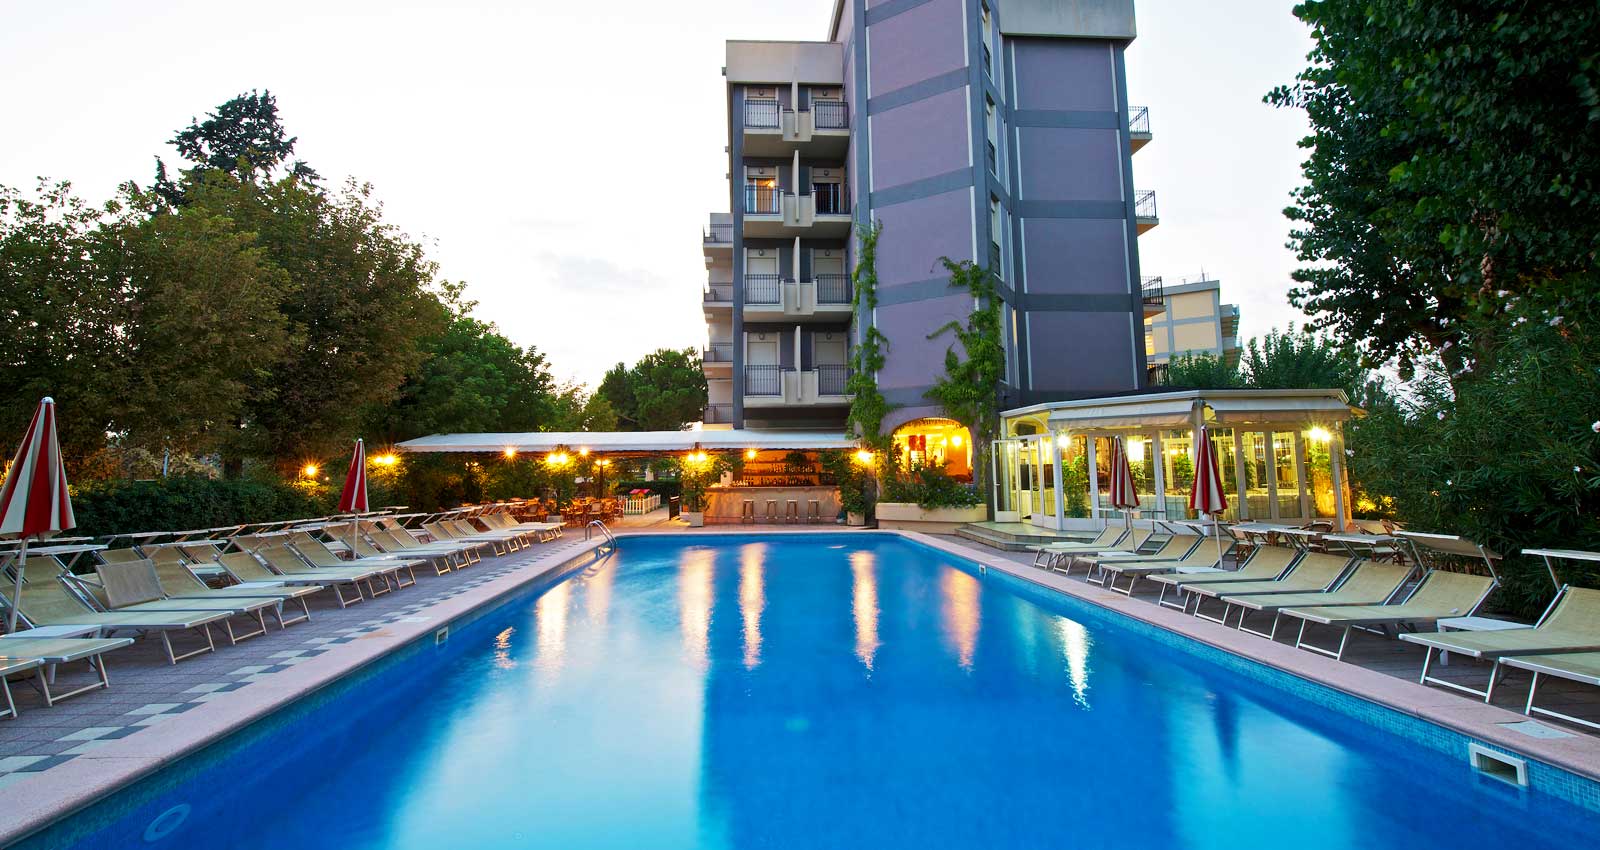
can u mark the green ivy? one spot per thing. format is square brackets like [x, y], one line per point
[967, 390]
[867, 404]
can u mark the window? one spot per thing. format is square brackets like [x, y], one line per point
[991, 126]
[996, 228]
[761, 190]
[987, 21]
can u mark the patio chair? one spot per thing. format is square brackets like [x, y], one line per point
[1107, 538]
[1570, 624]
[1173, 548]
[1263, 564]
[1204, 559]
[1130, 544]
[133, 587]
[1370, 583]
[283, 563]
[21, 652]
[1314, 572]
[47, 601]
[1438, 596]
[1582, 667]
[386, 544]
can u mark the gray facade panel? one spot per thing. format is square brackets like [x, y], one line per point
[917, 233]
[918, 44]
[917, 91]
[1045, 65]
[1075, 256]
[920, 136]
[1093, 154]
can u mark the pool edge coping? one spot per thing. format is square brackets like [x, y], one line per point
[68, 788]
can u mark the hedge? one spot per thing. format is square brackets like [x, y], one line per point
[172, 504]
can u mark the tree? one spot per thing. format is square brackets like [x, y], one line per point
[669, 387]
[243, 137]
[617, 389]
[1293, 360]
[1453, 167]
[1202, 371]
[968, 389]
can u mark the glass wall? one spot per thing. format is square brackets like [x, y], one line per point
[1257, 493]
[1228, 468]
[1177, 458]
[1286, 466]
[1319, 466]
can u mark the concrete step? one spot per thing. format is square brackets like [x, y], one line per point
[1005, 540]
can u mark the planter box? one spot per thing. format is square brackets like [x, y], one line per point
[696, 519]
[909, 517]
[856, 520]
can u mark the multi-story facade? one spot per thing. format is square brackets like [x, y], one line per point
[996, 131]
[1192, 320]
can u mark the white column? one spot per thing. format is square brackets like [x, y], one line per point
[1160, 481]
[1336, 471]
[1061, 490]
[1240, 482]
[797, 260]
[1094, 477]
[1305, 480]
[1272, 475]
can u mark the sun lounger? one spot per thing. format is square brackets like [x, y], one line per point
[445, 531]
[318, 554]
[8, 668]
[1370, 583]
[1570, 624]
[1440, 594]
[1106, 539]
[180, 584]
[133, 587]
[1263, 564]
[48, 652]
[1583, 667]
[1130, 544]
[1314, 572]
[1204, 559]
[1174, 548]
[445, 556]
[542, 531]
[283, 561]
[46, 601]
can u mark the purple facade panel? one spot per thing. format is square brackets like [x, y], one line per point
[913, 360]
[1060, 164]
[1076, 256]
[917, 233]
[924, 139]
[910, 47]
[1065, 74]
[1087, 353]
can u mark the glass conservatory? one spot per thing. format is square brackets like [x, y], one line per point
[1280, 454]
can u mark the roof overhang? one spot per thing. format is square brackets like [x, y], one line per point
[604, 442]
[1177, 409]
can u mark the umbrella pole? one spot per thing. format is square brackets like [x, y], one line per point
[16, 592]
[353, 532]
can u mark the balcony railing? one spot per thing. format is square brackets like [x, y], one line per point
[1156, 376]
[1144, 203]
[831, 379]
[763, 380]
[1139, 119]
[719, 293]
[761, 200]
[721, 234]
[830, 114]
[761, 114]
[718, 414]
[833, 288]
[831, 198]
[1152, 291]
[762, 289]
[718, 352]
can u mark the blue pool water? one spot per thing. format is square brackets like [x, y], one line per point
[843, 691]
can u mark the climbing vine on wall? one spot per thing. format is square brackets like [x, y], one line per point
[969, 389]
[867, 404]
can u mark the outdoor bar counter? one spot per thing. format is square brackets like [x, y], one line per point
[725, 504]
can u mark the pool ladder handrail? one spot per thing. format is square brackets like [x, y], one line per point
[603, 530]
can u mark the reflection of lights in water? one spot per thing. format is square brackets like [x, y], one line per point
[502, 650]
[1075, 646]
[597, 588]
[961, 612]
[752, 599]
[551, 615]
[864, 604]
[694, 602]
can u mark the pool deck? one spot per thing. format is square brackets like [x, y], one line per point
[54, 761]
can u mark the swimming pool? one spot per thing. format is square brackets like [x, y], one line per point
[831, 690]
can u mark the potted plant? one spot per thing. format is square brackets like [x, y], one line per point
[696, 472]
[853, 472]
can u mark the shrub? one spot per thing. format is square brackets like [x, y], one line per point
[186, 502]
[929, 488]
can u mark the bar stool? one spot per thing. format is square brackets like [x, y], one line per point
[813, 511]
[772, 511]
[791, 512]
[747, 511]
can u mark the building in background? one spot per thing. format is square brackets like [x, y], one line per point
[1192, 320]
[996, 131]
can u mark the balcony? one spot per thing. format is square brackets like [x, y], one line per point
[771, 213]
[1153, 293]
[717, 296]
[784, 386]
[717, 238]
[771, 298]
[1138, 127]
[1144, 209]
[718, 357]
[718, 414]
[772, 131]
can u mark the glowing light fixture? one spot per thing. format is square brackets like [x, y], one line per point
[1135, 451]
[584, 451]
[955, 440]
[864, 457]
[1320, 434]
[749, 454]
[386, 460]
[510, 452]
[310, 470]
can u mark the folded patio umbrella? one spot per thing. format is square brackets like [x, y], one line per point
[1207, 498]
[1123, 495]
[34, 504]
[354, 498]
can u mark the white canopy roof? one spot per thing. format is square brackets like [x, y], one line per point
[1176, 409]
[629, 441]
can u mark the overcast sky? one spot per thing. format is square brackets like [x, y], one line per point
[561, 157]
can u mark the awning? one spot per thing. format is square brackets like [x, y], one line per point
[630, 441]
[1174, 413]
[1278, 410]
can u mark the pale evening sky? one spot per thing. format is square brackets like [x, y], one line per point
[562, 157]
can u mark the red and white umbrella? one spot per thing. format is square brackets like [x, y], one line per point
[354, 498]
[34, 503]
[1207, 498]
[1123, 495]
